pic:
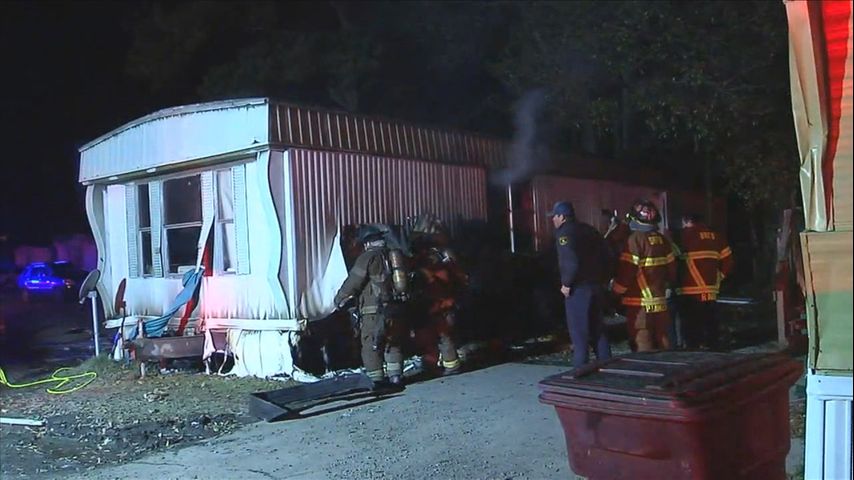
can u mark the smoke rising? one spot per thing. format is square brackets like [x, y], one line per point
[526, 153]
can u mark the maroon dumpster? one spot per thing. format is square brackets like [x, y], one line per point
[676, 415]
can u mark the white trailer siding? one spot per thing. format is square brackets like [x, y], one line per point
[256, 294]
[326, 190]
[176, 136]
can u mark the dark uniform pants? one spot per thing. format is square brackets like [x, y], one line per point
[674, 332]
[380, 341]
[699, 323]
[586, 327]
[648, 330]
[439, 329]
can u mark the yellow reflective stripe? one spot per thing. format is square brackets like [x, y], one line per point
[644, 287]
[646, 292]
[628, 257]
[655, 308]
[653, 301]
[648, 261]
[725, 252]
[695, 274]
[644, 302]
[657, 261]
[707, 254]
[451, 364]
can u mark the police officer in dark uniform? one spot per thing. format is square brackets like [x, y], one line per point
[371, 280]
[584, 267]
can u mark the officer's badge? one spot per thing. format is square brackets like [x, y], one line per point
[563, 241]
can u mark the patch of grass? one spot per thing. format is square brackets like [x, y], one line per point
[103, 365]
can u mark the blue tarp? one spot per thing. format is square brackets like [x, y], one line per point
[155, 327]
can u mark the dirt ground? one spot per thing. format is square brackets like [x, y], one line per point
[117, 417]
[120, 418]
[482, 425]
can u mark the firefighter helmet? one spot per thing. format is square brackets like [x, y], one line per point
[428, 224]
[644, 211]
[370, 233]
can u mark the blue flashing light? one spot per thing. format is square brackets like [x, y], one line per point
[39, 276]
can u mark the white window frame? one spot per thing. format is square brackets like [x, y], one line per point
[210, 200]
[219, 243]
[165, 250]
[140, 230]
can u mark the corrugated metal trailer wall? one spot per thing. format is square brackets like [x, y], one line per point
[589, 197]
[333, 188]
[318, 129]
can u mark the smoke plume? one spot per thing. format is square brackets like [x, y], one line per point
[526, 153]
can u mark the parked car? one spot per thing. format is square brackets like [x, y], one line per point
[54, 280]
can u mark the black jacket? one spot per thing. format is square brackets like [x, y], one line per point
[370, 279]
[583, 256]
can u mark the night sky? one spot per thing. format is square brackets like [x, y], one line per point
[63, 84]
[68, 78]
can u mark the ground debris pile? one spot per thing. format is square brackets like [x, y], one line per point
[74, 442]
[118, 418]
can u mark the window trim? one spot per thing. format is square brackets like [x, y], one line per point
[141, 248]
[160, 226]
[140, 230]
[166, 227]
[219, 223]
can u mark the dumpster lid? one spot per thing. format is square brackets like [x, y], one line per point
[667, 375]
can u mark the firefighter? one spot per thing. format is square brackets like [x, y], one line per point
[370, 280]
[706, 260]
[618, 232]
[646, 269]
[616, 235]
[441, 280]
[583, 262]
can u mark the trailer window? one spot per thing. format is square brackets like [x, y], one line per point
[144, 223]
[182, 221]
[225, 255]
